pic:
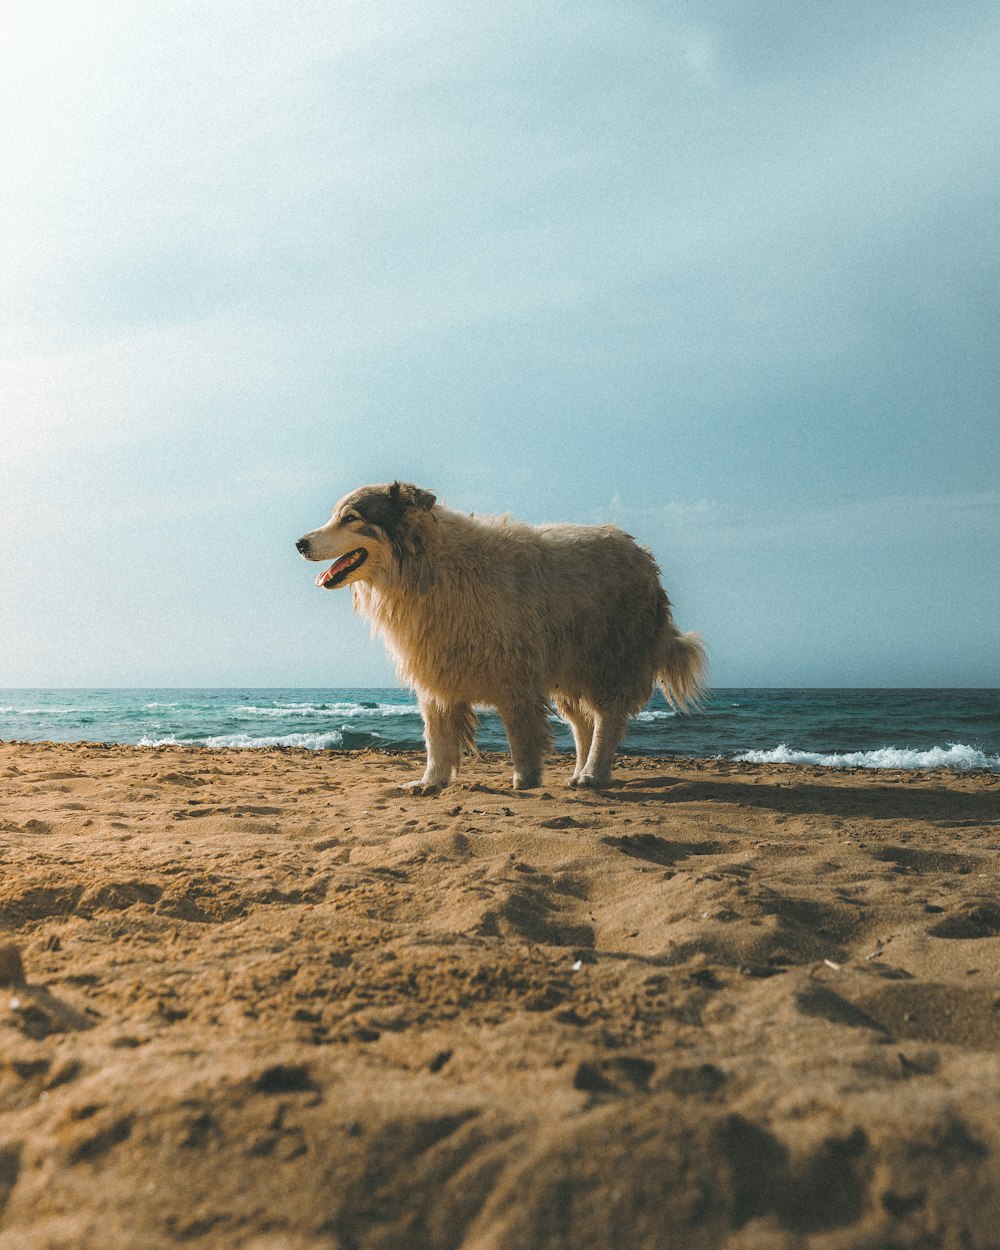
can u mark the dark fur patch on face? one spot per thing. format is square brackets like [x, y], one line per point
[384, 508]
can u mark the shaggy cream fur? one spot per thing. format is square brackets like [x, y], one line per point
[489, 611]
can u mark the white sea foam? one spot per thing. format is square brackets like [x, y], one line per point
[956, 756]
[646, 716]
[315, 742]
[328, 710]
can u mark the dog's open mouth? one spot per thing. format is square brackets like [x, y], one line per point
[335, 574]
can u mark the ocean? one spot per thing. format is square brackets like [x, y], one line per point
[912, 729]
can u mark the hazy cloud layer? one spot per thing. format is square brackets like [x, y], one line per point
[709, 261]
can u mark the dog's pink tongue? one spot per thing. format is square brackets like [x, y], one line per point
[332, 571]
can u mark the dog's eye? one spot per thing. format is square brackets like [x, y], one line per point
[349, 518]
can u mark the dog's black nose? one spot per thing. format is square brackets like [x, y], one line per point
[302, 546]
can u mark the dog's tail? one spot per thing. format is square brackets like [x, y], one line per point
[683, 669]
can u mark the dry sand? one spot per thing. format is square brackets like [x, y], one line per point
[261, 999]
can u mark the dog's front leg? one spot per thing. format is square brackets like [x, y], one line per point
[529, 735]
[582, 726]
[609, 729]
[447, 730]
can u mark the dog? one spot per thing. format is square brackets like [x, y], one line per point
[485, 611]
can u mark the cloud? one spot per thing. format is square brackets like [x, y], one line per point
[969, 517]
[738, 258]
[150, 382]
[405, 169]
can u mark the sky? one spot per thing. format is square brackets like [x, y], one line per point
[725, 274]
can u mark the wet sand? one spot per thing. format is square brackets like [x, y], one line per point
[263, 1000]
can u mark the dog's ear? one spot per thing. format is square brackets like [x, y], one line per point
[406, 495]
[409, 533]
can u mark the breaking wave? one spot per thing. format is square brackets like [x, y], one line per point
[956, 756]
[315, 742]
[326, 710]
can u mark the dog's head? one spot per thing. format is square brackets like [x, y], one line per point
[371, 530]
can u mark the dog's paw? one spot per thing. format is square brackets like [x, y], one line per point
[422, 789]
[527, 781]
[585, 781]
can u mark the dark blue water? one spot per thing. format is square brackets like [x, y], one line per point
[957, 729]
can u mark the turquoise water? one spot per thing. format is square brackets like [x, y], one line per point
[958, 729]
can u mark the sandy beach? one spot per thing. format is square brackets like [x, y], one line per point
[265, 1000]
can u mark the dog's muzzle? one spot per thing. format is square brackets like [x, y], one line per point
[335, 575]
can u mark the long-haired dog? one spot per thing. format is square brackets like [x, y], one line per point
[488, 611]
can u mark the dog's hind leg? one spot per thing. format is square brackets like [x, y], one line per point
[527, 725]
[609, 729]
[449, 729]
[583, 733]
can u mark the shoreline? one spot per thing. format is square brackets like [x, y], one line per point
[555, 760]
[260, 998]
[880, 729]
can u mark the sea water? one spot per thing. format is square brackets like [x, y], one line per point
[912, 729]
